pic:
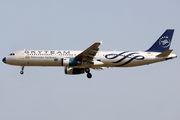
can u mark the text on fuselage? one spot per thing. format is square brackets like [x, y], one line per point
[46, 52]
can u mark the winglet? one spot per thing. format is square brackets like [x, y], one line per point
[165, 53]
[101, 42]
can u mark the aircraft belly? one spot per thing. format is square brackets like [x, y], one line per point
[46, 63]
[150, 61]
[124, 63]
[40, 62]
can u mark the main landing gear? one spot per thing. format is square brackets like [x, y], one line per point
[22, 72]
[87, 70]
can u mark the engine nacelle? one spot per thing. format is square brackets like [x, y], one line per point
[69, 62]
[73, 71]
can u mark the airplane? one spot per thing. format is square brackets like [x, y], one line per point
[80, 62]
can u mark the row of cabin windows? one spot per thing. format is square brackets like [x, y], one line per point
[55, 54]
[120, 55]
[66, 54]
[52, 54]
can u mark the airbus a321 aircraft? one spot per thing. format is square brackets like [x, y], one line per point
[79, 62]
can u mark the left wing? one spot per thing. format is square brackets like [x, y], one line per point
[87, 55]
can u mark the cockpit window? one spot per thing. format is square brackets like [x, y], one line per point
[12, 54]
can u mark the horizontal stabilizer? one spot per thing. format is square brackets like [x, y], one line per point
[165, 53]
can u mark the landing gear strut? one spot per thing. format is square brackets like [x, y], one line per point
[22, 72]
[87, 70]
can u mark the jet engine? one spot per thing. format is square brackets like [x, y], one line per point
[69, 62]
[73, 71]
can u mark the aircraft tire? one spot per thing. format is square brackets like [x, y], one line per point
[21, 72]
[87, 70]
[89, 75]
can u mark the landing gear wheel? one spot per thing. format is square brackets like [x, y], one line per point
[21, 72]
[87, 70]
[89, 75]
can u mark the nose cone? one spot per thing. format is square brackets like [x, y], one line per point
[4, 59]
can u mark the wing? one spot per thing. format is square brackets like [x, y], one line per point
[88, 54]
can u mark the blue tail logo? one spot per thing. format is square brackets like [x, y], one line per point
[163, 43]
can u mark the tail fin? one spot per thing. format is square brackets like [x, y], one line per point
[163, 43]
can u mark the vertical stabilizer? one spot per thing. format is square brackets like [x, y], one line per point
[163, 43]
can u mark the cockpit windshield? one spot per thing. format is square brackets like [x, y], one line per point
[12, 54]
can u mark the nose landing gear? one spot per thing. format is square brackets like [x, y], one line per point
[22, 72]
[89, 75]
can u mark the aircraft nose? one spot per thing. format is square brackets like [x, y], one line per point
[4, 59]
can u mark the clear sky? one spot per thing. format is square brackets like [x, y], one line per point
[45, 93]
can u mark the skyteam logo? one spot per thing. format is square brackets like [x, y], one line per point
[164, 42]
[127, 58]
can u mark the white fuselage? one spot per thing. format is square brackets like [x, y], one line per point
[102, 58]
[79, 62]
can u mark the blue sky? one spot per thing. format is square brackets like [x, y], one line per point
[138, 93]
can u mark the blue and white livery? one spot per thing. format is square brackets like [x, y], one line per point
[79, 62]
